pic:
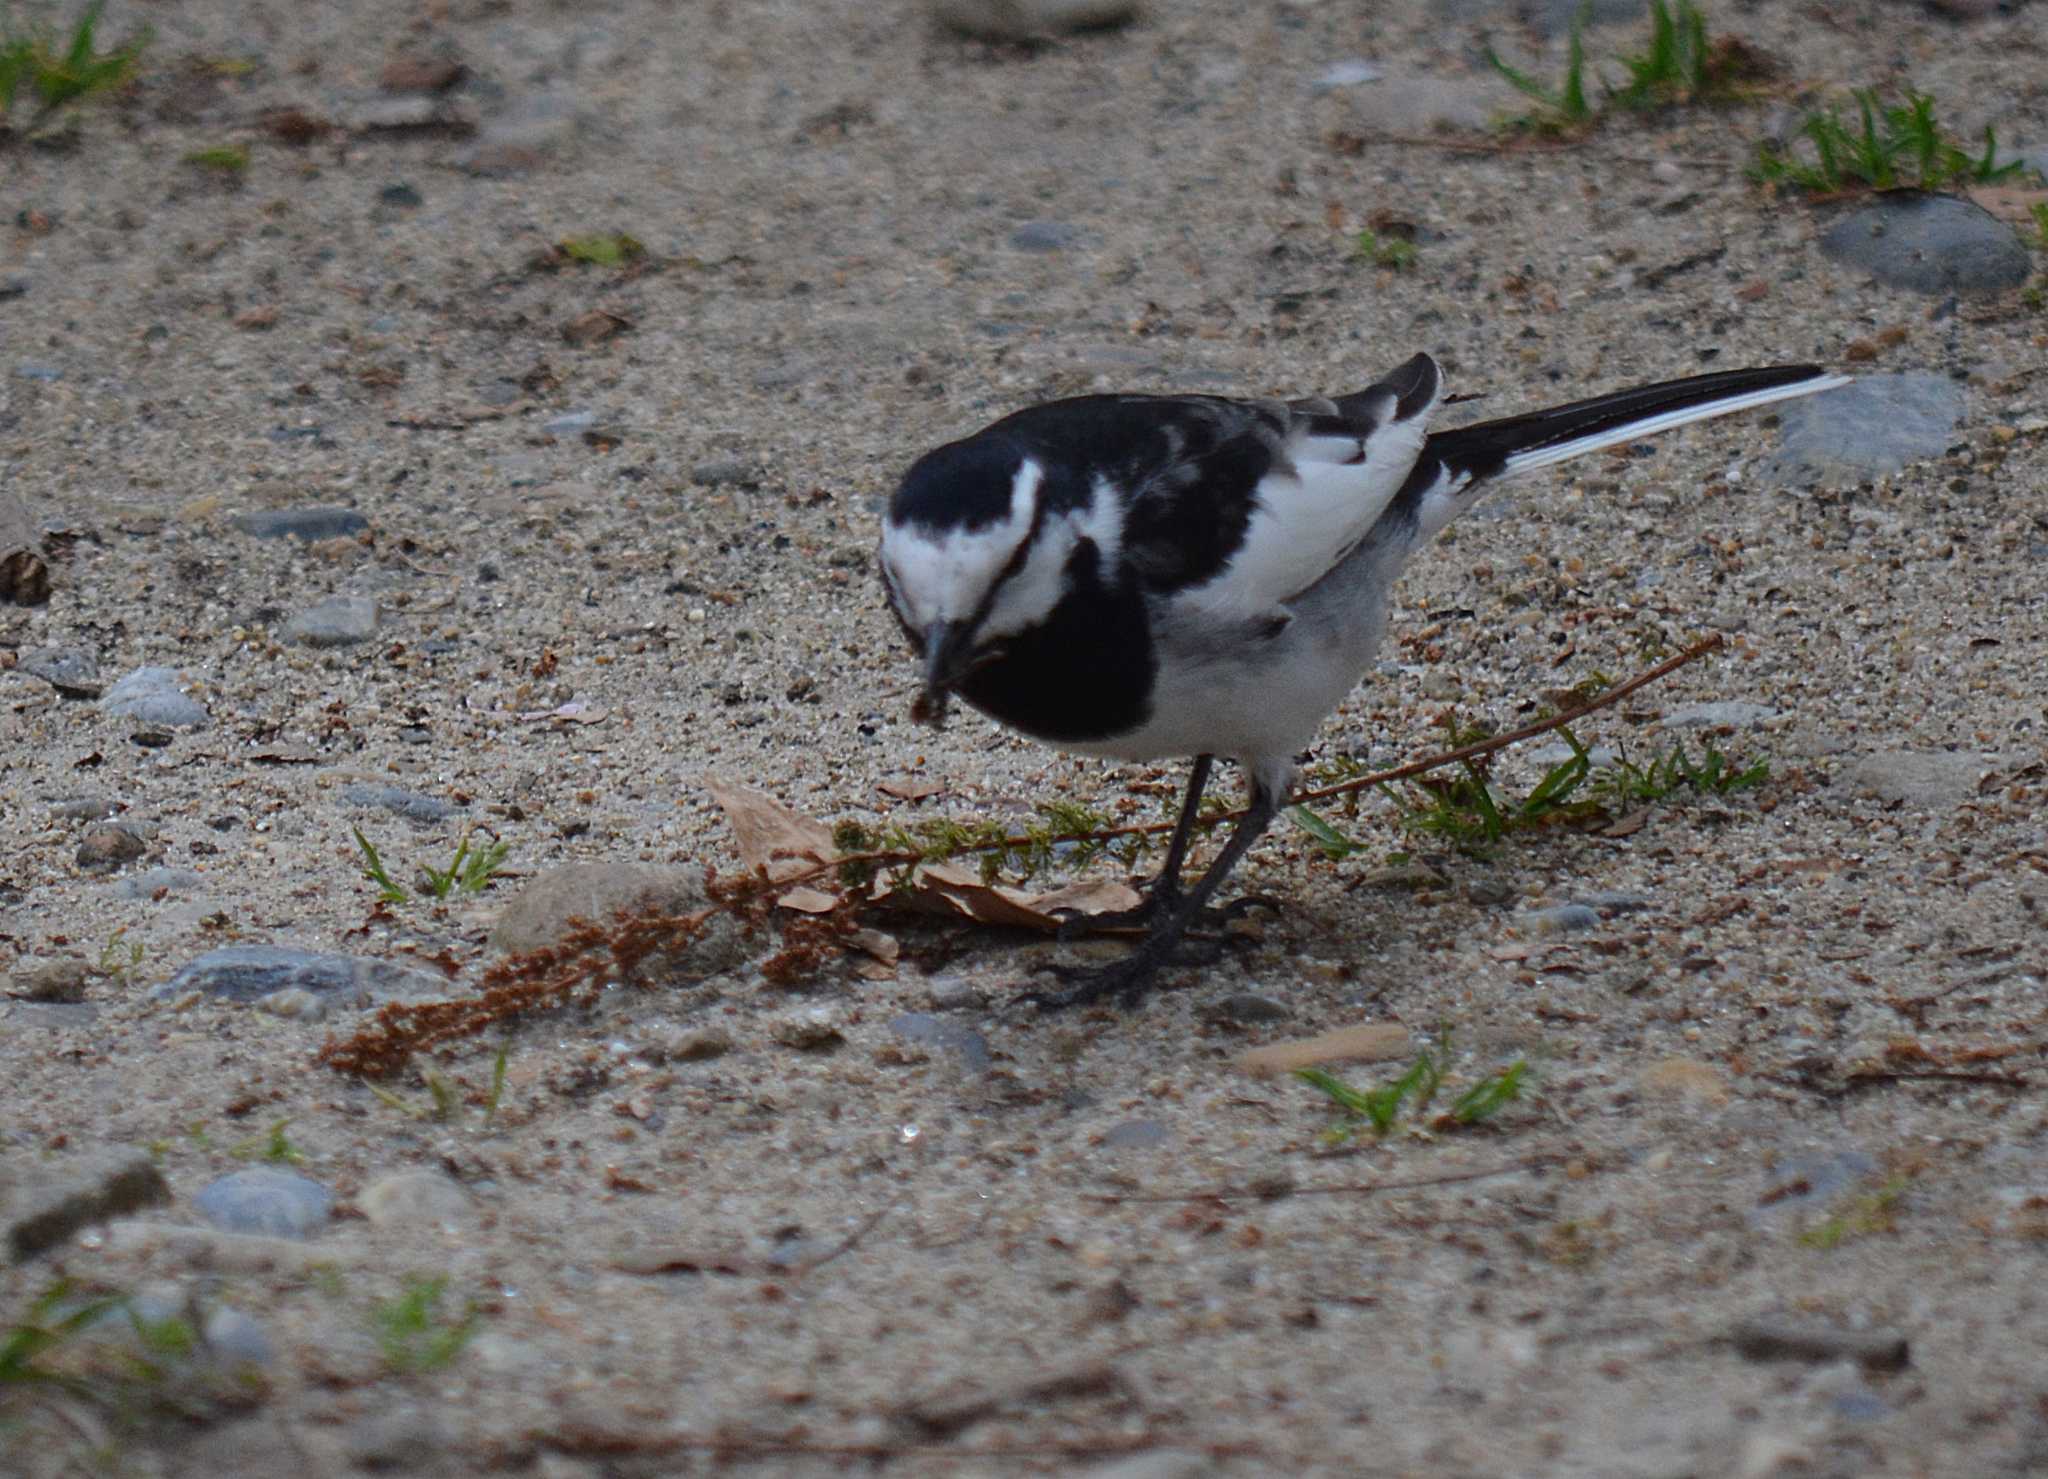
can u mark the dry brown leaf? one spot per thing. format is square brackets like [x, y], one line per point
[260, 317]
[910, 790]
[809, 901]
[945, 889]
[1367, 1042]
[1104, 896]
[768, 833]
[594, 327]
[883, 947]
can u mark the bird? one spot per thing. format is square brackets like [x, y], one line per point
[1146, 577]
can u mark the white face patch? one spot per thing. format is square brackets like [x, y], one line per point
[945, 575]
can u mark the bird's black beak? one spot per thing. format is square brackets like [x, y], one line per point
[948, 656]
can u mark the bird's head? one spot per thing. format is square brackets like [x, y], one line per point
[975, 549]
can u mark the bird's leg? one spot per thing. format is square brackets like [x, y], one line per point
[1164, 894]
[1128, 978]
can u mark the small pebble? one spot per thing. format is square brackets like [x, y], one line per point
[108, 848]
[264, 1199]
[1560, 919]
[51, 980]
[339, 621]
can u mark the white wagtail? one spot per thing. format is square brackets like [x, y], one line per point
[1142, 576]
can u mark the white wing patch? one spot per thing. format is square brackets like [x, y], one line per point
[1306, 520]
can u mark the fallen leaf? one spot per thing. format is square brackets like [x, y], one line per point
[883, 947]
[260, 317]
[945, 889]
[809, 901]
[1367, 1042]
[1628, 824]
[1106, 896]
[594, 327]
[769, 835]
[910, 790]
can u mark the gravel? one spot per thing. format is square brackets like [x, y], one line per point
[719, 1200]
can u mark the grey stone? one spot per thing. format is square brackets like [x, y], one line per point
[1047, 236]
[109, 847]
[926, 1030]
[72, 671]
[83, 808]
[1249, 1006]
[408, 804]
[540, 914]
[1800, 1186]
[695, 1044]
[249, 973]
[1865, 430]
[1136, 1135]
[237, 1339]
[417, 1199]
[170, 881]
[1350, 72]
[730, 472]
[569, 423]
[1932, 780]
[339, 621]
[308, 521]
[43, 1204]
[1729, 715]
[813, 1029]
[266, 1200]
[61, 980]
[1560, 919]
[1936, 244]
[402, 195]
[152, 696]
[1030, 20]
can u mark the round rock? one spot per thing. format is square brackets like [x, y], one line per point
[152, 695]
[417, 1199]
[339, 621]
[1938, 244]
[267, 1201]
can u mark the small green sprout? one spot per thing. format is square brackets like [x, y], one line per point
[1396, 253]
[220, 159]
[614, 249]
[1886, 147]
[1381, 1108]
[1874, 1211]
[414, 1333]
[272, 1145]
[58, 74]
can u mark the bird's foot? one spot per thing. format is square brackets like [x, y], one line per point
[1127, 980]
[1195, 940]
[1164, 903]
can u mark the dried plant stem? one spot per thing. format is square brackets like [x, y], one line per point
[886, 858]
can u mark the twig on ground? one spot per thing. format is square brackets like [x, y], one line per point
[1279, 1189]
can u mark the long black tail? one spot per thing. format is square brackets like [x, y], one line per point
[1439, 487]
[1521, 443]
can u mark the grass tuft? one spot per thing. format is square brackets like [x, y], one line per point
[415, 1334]
[1396, 253]
[1381, 1108]
[1898, 146]
[59, 72]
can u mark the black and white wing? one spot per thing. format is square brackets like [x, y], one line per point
[1234, 506]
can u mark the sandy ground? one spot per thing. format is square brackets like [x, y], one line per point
[1791, 1072]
